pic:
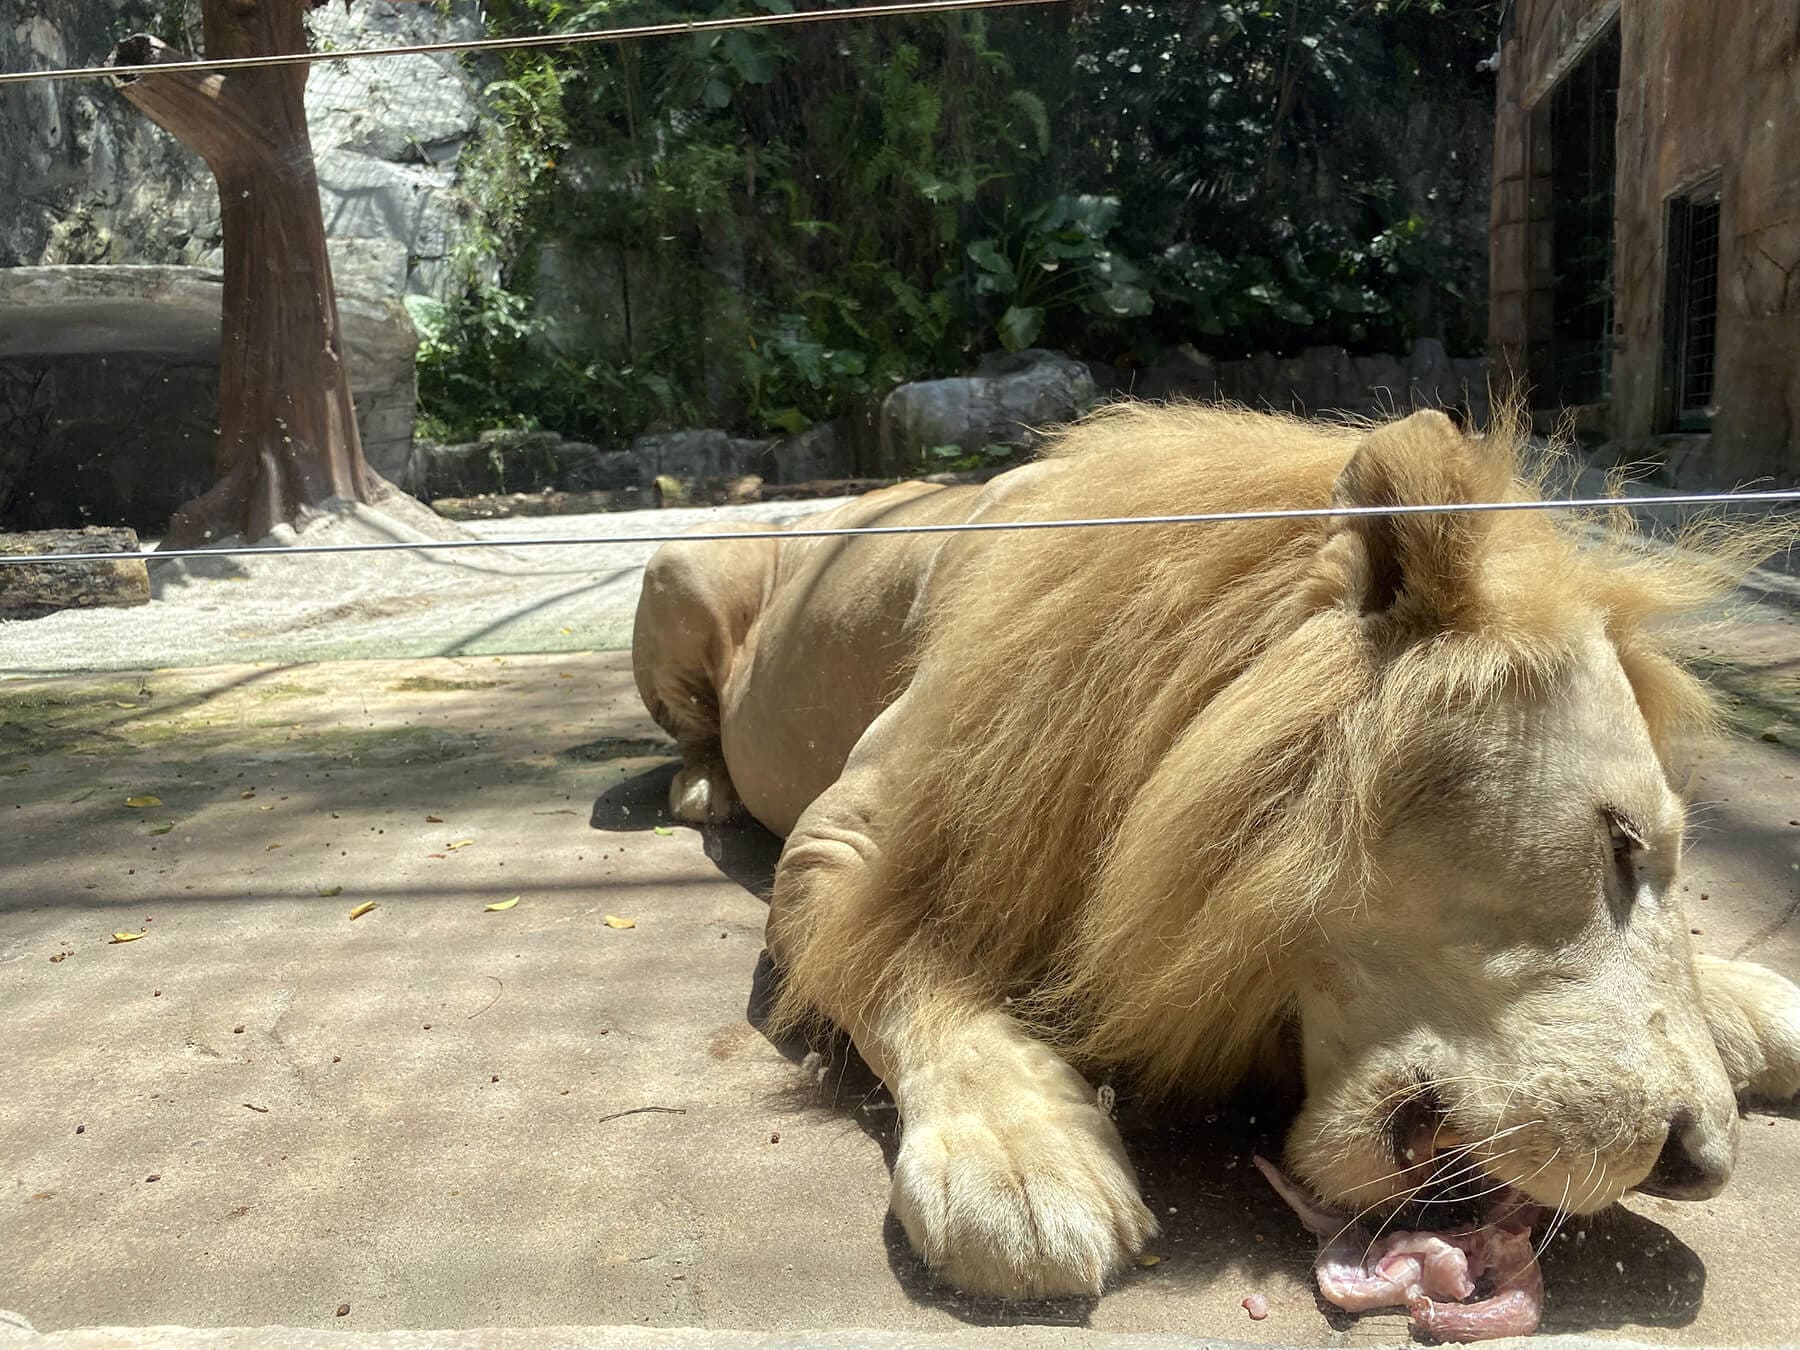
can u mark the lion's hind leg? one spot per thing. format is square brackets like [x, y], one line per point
[1755, 1019]
[699, 602]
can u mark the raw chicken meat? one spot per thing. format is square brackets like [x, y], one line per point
[1431, 1275]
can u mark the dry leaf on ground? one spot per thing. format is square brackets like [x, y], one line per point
[499, 905]
[139, 803]
[128, 937]
[614, 921]
[362, 909]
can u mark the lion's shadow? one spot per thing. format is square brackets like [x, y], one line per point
[1616, 1269]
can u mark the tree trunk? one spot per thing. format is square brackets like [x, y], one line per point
[287, 428]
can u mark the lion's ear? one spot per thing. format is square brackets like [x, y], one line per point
[1421, 566]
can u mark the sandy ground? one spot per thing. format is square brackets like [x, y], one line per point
[442, 1116]
[270, 605]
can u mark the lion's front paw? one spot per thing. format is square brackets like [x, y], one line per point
[1755, 1019]
[1036, 1200]
[701, 794]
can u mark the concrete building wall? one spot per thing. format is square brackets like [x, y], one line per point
[1705, 90]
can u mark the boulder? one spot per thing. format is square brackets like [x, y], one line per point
[1326, 381]
[1008, 400]
[512, 460]
[696, 454]
[1184, 373]
[1430, 378]
[814, 454]
[460, 470]
[1381, 383]
[1473, 374]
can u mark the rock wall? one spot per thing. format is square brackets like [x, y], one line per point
[123, 434]
[1009, 400]
[85, 178]
[109, 385]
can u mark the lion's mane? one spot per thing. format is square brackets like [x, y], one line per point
[1160, 750]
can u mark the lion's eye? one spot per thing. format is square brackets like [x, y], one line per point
[1627, 841]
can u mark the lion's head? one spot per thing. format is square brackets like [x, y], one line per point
[1514, 998]
[1403, 781]
[1509, 996]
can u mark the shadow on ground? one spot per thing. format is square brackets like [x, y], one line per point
[443, 1115]
[1604, 1272]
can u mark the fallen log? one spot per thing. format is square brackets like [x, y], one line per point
[32, 590]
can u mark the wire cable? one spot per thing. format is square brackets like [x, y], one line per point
[524, 41]
[962, 527]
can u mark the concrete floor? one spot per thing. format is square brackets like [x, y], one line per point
[440, 1116]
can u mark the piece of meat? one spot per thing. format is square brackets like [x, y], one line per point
[1429, 1274]
[1257, 1306]
[1516, 1306]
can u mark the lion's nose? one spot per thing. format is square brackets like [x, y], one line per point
[1694, 1164]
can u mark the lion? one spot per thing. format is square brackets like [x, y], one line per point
[1169, 800]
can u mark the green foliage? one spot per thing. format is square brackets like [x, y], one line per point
[1295, 172]
[1057, 259]
[766, 227]
[954, 459]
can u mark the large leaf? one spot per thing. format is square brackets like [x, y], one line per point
[1031, 108]
[1354, 299]
[1019, 326]
[429, 316]
[1093, 215]
[1290, 310]
[985, 254]
[1125, 300]
[753, 58]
